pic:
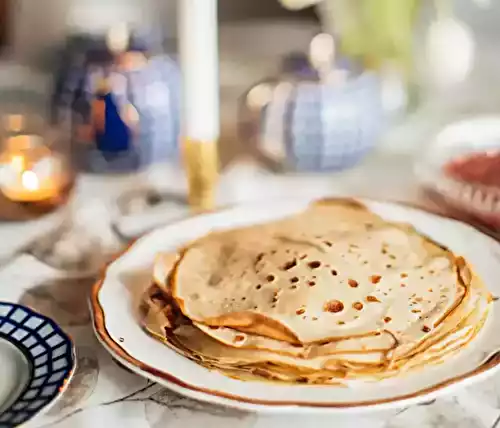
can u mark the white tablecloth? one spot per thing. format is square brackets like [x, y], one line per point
[104, 394]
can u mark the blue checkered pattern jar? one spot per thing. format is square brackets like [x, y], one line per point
[315, 126]
[92, 84]
[331, 127]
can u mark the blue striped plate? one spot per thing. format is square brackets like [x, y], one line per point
[37, 361]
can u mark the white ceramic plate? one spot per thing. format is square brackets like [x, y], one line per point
[37, 361]
[115, 297]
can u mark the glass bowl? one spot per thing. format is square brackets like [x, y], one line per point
[461, 168]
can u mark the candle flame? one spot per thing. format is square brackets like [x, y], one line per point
[30, 180]
[17, 163]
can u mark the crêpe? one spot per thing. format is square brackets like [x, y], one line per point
[163, 267]
[333, 293]
[191, 341]
[302, 287]
[379, 342]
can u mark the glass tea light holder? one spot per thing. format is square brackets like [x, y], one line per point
[35, 176]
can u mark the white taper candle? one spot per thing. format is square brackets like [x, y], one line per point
[198, 46]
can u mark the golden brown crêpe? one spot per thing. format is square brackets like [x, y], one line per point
[192, 343]
[375, 342]
[299, 287]
[330, 294]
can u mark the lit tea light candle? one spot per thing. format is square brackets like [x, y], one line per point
[30, 181]
[29, 173]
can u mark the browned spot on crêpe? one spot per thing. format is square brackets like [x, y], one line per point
[352, 283]
[275, 296]
[357, 305]
[314, 264]
[333, 306]
[289, 265]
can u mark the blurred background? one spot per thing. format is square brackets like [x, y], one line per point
[399, 94]
[33, 33]
[255, 36]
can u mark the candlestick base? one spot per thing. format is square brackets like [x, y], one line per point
[202, 164]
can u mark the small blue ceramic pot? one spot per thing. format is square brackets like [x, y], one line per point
[330, 127]
[103, 137]
[315, 126]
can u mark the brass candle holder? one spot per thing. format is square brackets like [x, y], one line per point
[202, 164]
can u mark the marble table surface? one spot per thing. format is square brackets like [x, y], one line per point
[104, 394]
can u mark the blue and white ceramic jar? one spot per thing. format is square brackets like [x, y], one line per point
[332, 127]
[123, 109]
[305, 124]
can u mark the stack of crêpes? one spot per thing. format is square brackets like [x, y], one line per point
[325, 296]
